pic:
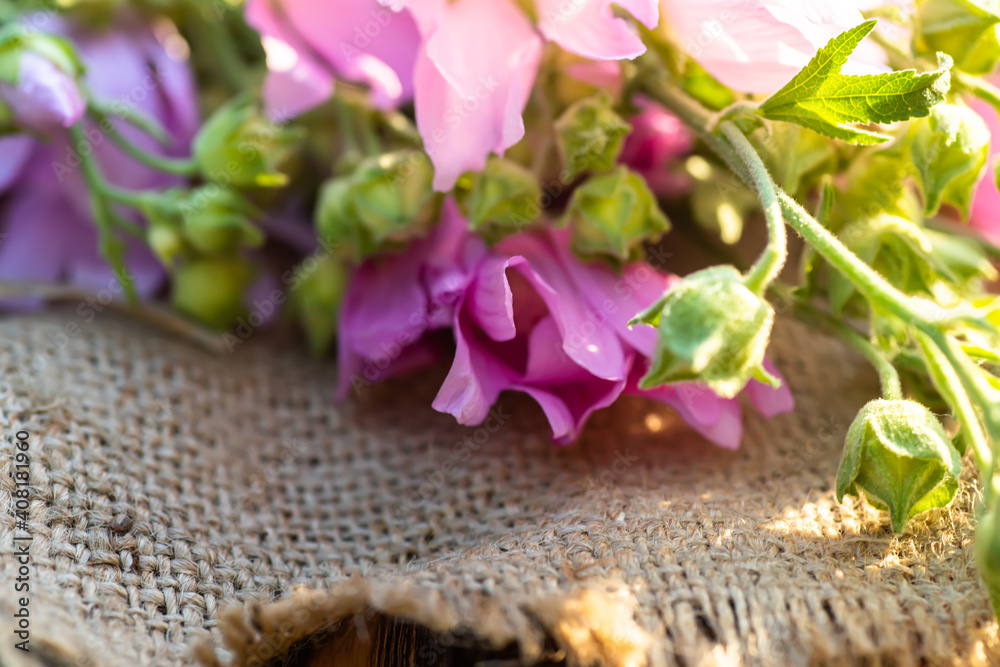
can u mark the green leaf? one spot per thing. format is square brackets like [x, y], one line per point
[964, 29]
[822, 99]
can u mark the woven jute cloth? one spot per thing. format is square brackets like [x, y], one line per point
[188, 507]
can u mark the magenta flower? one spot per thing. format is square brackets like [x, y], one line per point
[309, 43]
[45, 98]
[757, 46]
[657, 140]
[526, 316]
[50, 233]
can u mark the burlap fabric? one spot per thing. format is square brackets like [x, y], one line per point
[224, 509]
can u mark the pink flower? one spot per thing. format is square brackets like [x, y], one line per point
[50, 233]
[657, 140]
[985, 213]
[757, 46]
[526, 316]
[309, 43]
[472, 84]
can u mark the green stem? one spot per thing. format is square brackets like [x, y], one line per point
[944, 363]
[109, 245]
[176, 166]
[147, 124]
[771, 261]
[867, 280]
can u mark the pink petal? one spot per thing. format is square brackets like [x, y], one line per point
[757, 46]
[985, 213]
[296, 81]
[476, 377]
[363, 41]
[472, 84]
[767, 400]
[585, 339]
[44, 98]
[589, 27]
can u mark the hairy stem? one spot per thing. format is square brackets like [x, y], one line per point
[767, 268]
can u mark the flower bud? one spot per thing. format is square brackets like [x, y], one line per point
[712, 329]
[387, 199]
[590, 136]
[212, 289]
[239, 147]
[897, 453]
[317, 299]
[614, 214]
[966, 31]
[38, 81]
[166, 241]
[216, 220]
[505, 198]
[949, 149]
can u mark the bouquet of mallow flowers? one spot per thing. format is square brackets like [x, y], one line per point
[484, 181]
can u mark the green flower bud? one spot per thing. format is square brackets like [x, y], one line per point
[949, 149]
[212, 289]
[388, 199]
[614, 214]
[167, 243]
[590, 136]
[216, 220]
[317, 298]
[712, 329]
[505, 198]
[897, 453]
[964, 29]
[239, 147]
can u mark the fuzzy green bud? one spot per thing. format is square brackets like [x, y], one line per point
[239, 147]
[713, 330]
[613, 215]
[988, 554]
[216, 220]
[166, 242]
[387, 199]
[505, 198]
[898, 454]
[949, 149]
[212, 289]
[590, 136]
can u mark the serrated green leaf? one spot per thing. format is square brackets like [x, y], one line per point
[822, 99]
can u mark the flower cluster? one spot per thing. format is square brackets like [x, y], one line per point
[500, 185]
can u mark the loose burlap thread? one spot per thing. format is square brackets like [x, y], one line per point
[189, 507]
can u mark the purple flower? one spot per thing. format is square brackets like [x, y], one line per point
[45, 98]
[526, 316]
[46, 216]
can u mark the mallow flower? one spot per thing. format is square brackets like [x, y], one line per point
[477, 63]
[527, 315]
[309, 43]
[757, 46]
[46, 215]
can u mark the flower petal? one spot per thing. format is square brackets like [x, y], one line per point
[767, 400]
[589, 27]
